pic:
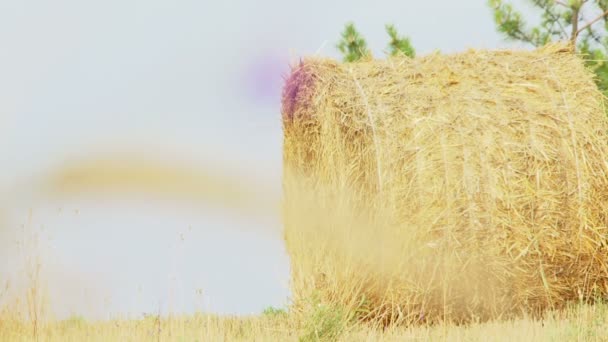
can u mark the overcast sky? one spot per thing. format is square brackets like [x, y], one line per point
[197, 80]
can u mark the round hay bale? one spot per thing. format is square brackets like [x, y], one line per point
[447, 187]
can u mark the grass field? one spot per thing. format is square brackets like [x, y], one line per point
[578, 323]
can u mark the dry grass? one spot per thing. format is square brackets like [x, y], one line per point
[132, 174]
[579, 323]
[446, 188]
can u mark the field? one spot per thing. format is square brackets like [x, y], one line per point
[578, 323]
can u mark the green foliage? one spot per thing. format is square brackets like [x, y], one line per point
[75, 321]
[274, 312]
[325, 323]
[352, 45]
[583, 23]
[399, 45]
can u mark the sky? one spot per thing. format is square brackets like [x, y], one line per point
[194, 81]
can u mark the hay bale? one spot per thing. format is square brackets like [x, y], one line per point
[448, 186]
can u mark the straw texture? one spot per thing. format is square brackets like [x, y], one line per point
[446, 187]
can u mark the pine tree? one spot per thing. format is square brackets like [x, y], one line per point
[399, 45]
[582, 23]
[353, 46]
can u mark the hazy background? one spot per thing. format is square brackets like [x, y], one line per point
[185, 82]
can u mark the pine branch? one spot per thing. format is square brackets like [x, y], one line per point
[399, 45]
[352, 46]
[598, 18]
